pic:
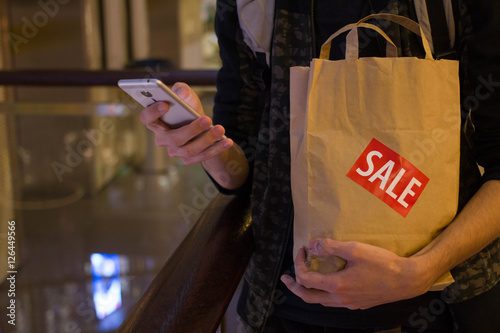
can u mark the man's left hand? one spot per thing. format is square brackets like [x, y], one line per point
[372, 276]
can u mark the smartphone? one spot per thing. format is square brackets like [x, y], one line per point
[149, 91]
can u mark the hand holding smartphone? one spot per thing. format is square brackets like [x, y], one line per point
[196, 143]
[149, 91]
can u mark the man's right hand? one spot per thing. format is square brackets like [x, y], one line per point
[192, 143]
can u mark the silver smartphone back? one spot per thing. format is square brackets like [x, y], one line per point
[149, 91]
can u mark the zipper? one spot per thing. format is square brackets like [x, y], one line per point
[290, 208]
[280, 267]
[313, 31]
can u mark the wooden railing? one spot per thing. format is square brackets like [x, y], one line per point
[195, 286]
[103, 78]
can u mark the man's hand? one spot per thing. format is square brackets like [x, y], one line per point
[198, 141]
[372, 276]
[188, 143]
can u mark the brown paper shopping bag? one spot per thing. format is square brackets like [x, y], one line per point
[374, 147]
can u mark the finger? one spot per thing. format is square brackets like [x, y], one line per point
[150, 116]
[300, 262]
[329, 247]
[301, 269]
[328, 282]
[177, 138]
[307, 295]
[307, 278]
[210, 152]
[194, 147]
[333, 282]
[188, 95]
[314, 296]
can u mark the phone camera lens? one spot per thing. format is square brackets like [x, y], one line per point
[146, 93]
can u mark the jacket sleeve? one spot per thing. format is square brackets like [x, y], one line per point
[483, 71]
[236, 103]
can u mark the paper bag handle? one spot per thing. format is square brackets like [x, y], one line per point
[352, 38]
[351, 49]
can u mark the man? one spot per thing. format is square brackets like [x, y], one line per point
[372, 293]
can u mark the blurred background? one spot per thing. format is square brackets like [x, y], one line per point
[98, 208]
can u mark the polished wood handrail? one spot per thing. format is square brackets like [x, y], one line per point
[102, 78]
[194, 288]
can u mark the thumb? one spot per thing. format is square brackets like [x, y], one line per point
[188, 95]
[329, 247]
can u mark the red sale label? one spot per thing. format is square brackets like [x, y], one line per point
[388, 176]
